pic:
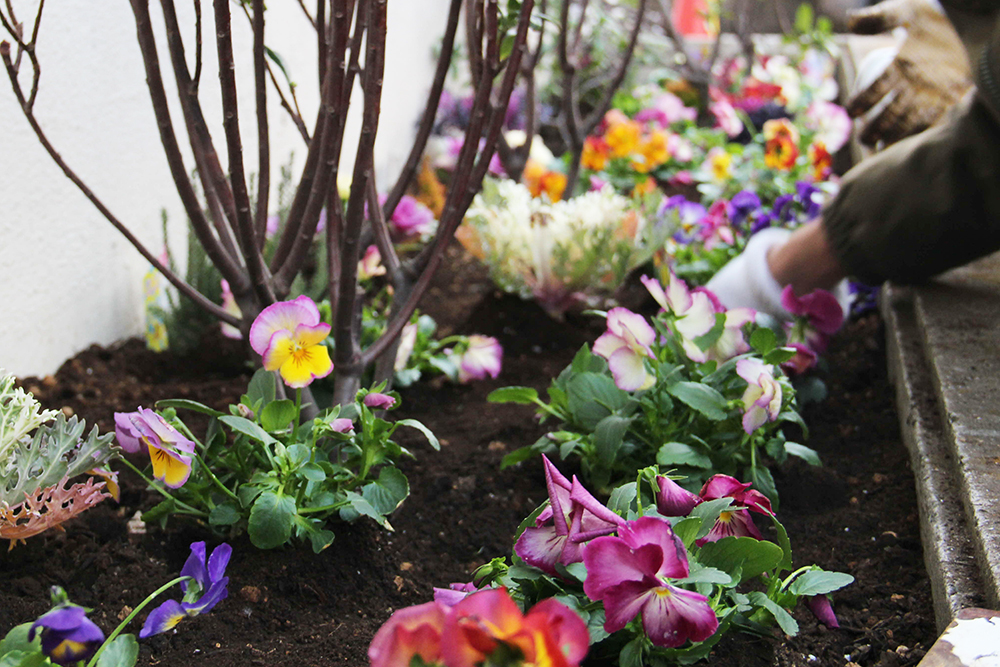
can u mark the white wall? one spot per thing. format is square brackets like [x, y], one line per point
[67, 278]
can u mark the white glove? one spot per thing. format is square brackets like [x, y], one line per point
[746, 281]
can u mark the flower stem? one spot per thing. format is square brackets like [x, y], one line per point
[128, 619]
[215, 479]
[156, 487]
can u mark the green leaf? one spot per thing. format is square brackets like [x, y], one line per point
[807, 454]
[592, 397]
[277, 415]
[622, 498]
[578, 571]
[225, 514]
[701, 397]
[707, 575]
[709, 512]
[750, 556]
[762, 340]
[677, 453]
[431, 438]
[313, 472]
[519, 395]
[517, 456]
[608, 438]
[247, 493]
[779, 355]
[688, 528]
[803, 18]
[388, 492]
[271, 520]
[24, 659]
[784, 619]
[248, 428]
[262, 387]
[631, 653]
[185, 404]
[297, 455]
[321, 539]
[762, 480]
[784, 543]
[17, 640]
[819, 582]
[122, 652]
[161, 510]
[361, 507]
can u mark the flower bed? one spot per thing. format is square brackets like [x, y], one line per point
[857, 514]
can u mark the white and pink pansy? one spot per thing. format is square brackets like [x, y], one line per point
[483, 357]
[762, 398]
[289, 336]
[626, 345]
[693, 310]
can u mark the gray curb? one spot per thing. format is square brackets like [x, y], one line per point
[943, 344]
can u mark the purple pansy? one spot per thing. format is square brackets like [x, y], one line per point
[169, 451]
[572, 517]
[67, 635]
[822, 609]
[632, 574]
[674, 500]
[205, 589]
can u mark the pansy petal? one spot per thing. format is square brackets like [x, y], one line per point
[169, 467]
[281, 316]
[558, 487]
[218, 562]
[822, 609]
[194, 567]
[581, 496]
[304, 366]
[623, 602]
[673, 499]
[654, 532]
[279, 349]
[629, 371]
[678, 295]
[541, 547]
[610, 561]
[128, 440]
[564, 626]
[409, 632]
[623, 319]
[722, 486]
[607, 344]
[307, 335]
[216, 593]
[163, 618]
[655, 290]
[671, 616]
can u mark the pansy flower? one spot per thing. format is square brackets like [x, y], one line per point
[411, 218]
[483, 357]
[781, 144]
[720, 164]
[762, 398]
[169, 451]
[370, 265]
[633, 574]
[820, 160]
[623, 137]
[674, 500]
[205, 589]
[230, 306]
[289, 336]
[378, 401]
[651, 153]
[410, 632]
[595, 153]
[625, 345]
[572, 517]
[67, 635]
[693, 310]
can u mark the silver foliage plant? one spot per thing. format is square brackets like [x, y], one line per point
[41, 451]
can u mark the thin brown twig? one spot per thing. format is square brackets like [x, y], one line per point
[263, 138]
[182, 286]
[259, 278]
[377, 220]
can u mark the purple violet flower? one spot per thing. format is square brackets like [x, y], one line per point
[205, 589]
[822, 609]
[742, 205]
[67, 635]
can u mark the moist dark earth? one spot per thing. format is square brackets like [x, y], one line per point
[288, 606]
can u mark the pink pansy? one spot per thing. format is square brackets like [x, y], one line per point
[342, 425]
[762, 398]
[681, 178]
[731, 342]
[597, 184]
[625, 345]
[715, 226]
[409, 632]
[822, 609]
[572, 517]
[379, 401]
[666, 110]
[370, 265]
[804, 359]
[819, 306]
[289, 336]
[632, 575]
[454, 594]
[726, 117]
[411, 218]
[674, 500]
[229, 305]
[694, 312]
[680, 149]
[830, 122]
[481, 358]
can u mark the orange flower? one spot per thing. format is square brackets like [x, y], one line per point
[781, 144]
[623, 138]
[654, 152]
[595, 153]
[540, 180]
[821, 161]
[646, 187]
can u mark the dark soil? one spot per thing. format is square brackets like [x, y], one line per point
[857, 514]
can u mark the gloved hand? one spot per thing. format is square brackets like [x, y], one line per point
[929, 74]
[746, 281]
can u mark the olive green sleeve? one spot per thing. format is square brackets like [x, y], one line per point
[924, 205]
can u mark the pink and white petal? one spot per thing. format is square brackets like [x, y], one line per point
[737, 317]
[284, 315]
[635, 325]
[607, 344]
[308, 335]
[629, 370]
[541, 547]
[610, 561]
[753, 419]
[678, 295]
[693, 352]
[699, 319]
[672, 616]
[751, 369]
[656, 291]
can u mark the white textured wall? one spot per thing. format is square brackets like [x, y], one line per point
[67, 278]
